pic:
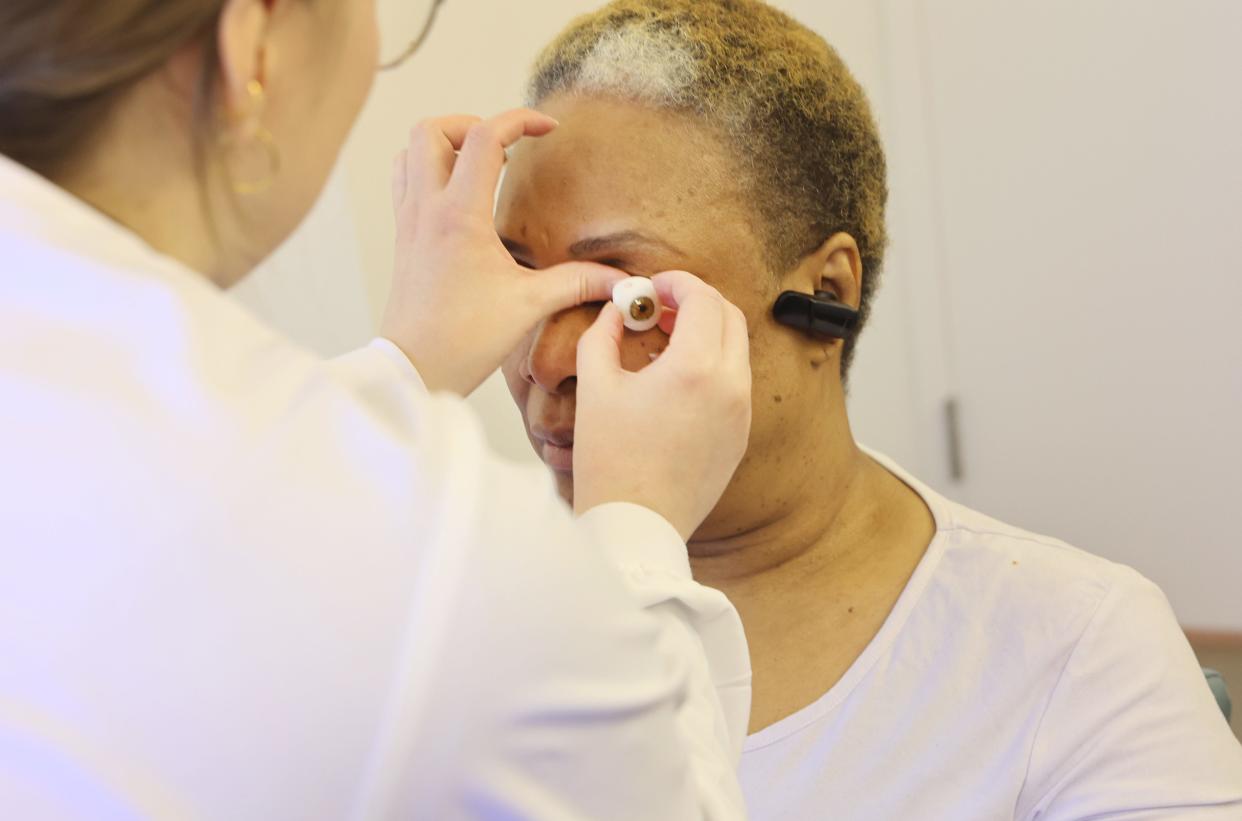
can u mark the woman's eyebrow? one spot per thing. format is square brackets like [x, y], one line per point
[594, 245]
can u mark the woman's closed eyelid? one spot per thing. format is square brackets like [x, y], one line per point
[612, 262]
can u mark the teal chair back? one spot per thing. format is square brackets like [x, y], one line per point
[1221, 692]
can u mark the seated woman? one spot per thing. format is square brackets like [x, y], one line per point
[912, 658]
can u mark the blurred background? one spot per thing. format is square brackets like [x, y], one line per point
[1056, 340]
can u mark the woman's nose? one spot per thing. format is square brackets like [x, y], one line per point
[552, 361]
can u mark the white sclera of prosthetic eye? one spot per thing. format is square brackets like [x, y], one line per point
[638, 302]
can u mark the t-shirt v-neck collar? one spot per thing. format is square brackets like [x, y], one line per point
[887, 633]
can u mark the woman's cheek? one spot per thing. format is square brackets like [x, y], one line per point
[511, 368]
[638, 350]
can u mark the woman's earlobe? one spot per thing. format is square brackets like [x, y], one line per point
[241, 51]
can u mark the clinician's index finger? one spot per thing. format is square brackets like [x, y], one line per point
[483, 154]
[432, 152]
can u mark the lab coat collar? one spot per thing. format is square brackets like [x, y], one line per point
[34, 209]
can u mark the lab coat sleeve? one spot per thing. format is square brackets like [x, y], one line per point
[700, 626]
[1132, 730]
[564, 669]
[378, 374]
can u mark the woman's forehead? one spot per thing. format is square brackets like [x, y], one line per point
[628, 146]
[611, 162]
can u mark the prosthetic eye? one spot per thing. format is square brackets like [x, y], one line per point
[638, 302]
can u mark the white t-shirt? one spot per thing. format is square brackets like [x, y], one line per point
[239, 583]
[1016, 678]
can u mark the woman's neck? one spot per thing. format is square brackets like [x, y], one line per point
[853, 511]
[161, 216]
[815, 585]
[808, 530]
[143, 178]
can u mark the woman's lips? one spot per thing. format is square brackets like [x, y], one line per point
[558, 457]
[555, 440]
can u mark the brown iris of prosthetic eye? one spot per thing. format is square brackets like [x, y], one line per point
[642, 309]
[638, 302]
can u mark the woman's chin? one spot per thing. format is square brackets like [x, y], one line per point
[565, 487]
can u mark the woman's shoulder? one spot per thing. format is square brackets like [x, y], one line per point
[975, 538]
[1077, 620]
[990, 563]
[1031, 577]
[1091, 652]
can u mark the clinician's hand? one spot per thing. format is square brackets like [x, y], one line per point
[459, 303]
[670, 436]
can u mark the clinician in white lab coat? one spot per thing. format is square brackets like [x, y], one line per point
[237, 582]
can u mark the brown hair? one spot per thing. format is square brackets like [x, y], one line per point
[64, 64]
[797, 120]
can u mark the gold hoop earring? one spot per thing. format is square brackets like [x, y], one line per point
[248, 185]
[259, 183]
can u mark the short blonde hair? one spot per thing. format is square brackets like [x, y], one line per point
[797, 121]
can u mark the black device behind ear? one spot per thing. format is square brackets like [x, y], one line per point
[818, 315]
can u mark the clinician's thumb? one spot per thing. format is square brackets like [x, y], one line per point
[599, 349]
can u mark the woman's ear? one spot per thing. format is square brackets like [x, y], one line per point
[835, 266]
[242, 43]
[842, 271]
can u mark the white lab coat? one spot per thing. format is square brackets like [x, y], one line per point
[239, 583]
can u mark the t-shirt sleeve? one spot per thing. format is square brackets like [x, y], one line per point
[1131, 730]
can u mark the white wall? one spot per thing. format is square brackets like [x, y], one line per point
[1074, 185]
